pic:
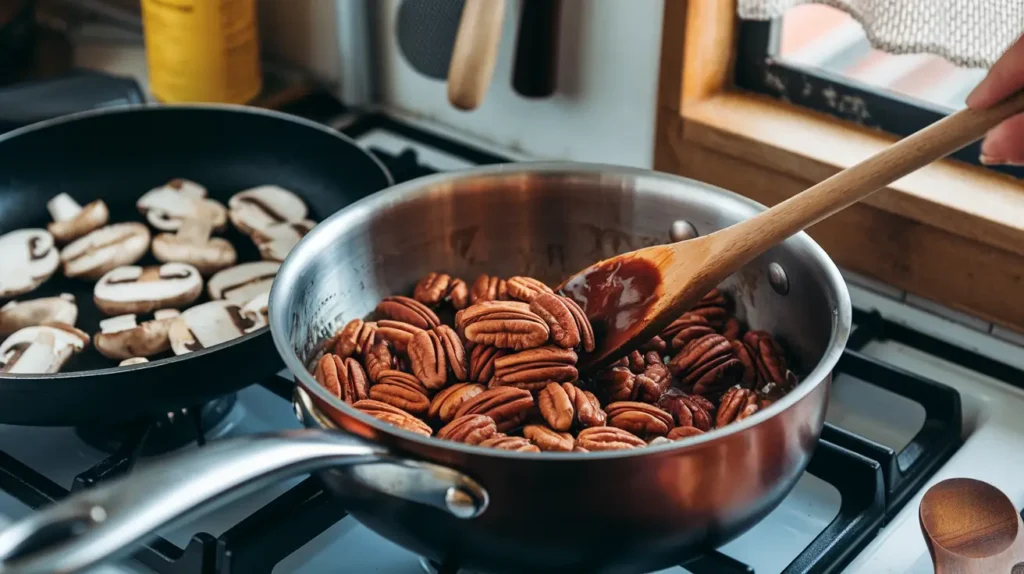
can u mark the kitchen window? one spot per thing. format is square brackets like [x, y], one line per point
[819, 57]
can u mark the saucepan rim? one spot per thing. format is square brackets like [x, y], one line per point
[308, 248]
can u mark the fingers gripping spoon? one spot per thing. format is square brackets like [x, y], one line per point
[633, 296]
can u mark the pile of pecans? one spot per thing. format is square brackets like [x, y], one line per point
[502, 373]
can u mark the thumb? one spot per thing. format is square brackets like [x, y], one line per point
[1004, 144]
[1005, 78]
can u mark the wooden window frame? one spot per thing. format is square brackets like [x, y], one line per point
[951, 232]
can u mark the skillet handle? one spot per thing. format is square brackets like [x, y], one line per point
[106, 522]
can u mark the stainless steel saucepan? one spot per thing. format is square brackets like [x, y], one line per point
[624, 511]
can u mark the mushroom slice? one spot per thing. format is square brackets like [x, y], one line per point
[210, 324]
[276, 241]
[134, 289]
[41, 349]
[259, 304]
[17, 315]
[123, 337]
[71, 221]
[28, 258]
[107, 248]
[193, 245]
[133, 361]
[260, 207]
[244, 282]
[167, 206]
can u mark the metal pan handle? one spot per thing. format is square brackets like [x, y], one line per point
[106, 522]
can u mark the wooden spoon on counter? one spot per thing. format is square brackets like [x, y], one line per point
[971, 527]
[632, 297]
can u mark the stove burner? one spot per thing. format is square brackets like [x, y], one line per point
[162, 434]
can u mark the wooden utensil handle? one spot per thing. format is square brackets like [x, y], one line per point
[746, 240]
[475, 52]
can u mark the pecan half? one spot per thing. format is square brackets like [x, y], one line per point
[513, 443]
[470, 429]
[508, 406]
[526, 288]
[707, 364]
[481, 363]
[554, 310]
[488, 288]
[679, 433]
[736, 404]
[714, 307]
[454, 352]
[688, 410]
[548, 439]
[503, 324]
[378, 357]
[401, 390]
[742, 352]
[616, 384]
[636, 362]
[641, 419]
[326, 373]
[435, 288]
[558, 410]
[655, 379]
[688, 327]
[607, 438]
[353, 337]
[398, 333]
[768, 355]
[408, 310]
[428, 360]
[447, 402]
[535, 368]
[656, 344]
[393, 415]
[588, 409]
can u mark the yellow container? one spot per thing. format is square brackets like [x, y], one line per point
[202, 50]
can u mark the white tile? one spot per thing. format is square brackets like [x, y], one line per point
[873, 284]
[1015, 337]
[946, 312]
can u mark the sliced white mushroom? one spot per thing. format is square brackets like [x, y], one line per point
[259, 304]
[167, 206]
[28, 258]
[107, 248]
[210, 324]
[41, 349]
[133, 361]
[276, 241]
[260, 207]
[71, 221]
[134, 289]
[192, 244]
[122, 337]
[244, 282]
[17, 315]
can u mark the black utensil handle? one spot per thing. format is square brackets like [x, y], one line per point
[536, 62]
[24, 104]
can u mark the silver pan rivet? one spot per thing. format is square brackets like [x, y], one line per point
[682, 230]
[778, 279]
[460, 503]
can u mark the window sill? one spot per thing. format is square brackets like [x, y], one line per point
[949, 232]
[962, 199]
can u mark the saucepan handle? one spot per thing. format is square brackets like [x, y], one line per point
[106, 522]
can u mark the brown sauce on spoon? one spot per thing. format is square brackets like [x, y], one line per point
[616, 296]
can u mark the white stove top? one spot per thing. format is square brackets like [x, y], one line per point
[993, 430]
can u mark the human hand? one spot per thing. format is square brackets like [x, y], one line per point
[1004, 144]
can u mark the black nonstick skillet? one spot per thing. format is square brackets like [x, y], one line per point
[118, 154]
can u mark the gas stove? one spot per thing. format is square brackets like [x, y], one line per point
[917, 398]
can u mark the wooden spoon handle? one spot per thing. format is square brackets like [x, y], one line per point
[738, 244]
[475, 52]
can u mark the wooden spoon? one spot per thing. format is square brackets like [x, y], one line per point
[632, 297]
[475, 52]
[971, 527]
